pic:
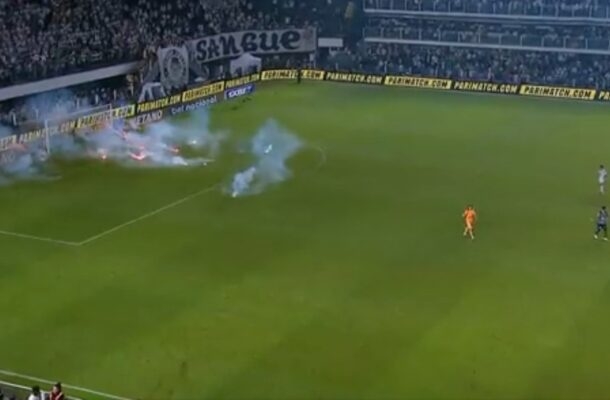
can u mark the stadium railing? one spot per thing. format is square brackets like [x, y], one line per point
[506, 9]
[487, 40]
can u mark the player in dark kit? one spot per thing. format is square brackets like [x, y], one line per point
[602, 223]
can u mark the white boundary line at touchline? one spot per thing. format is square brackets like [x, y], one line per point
[114, 229]
[22, 387]
[38, 238]
[67, 386]
[148, 215]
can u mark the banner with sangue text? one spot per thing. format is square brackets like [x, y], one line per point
[234, 44]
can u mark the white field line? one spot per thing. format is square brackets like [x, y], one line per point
[114, 229]
[48, 382]
[25, 388]
[147, 215]
[321, 162]
[38, 238]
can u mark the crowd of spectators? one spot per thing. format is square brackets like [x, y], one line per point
[467, 60]
[45, 38]
[51, 37]
[511, 66]
[591, 37]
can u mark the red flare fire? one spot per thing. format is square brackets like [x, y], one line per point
[138, 157]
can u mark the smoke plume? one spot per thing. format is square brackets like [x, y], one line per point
[270, 147]
[168, 143]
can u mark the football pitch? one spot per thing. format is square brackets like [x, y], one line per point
[351, 280]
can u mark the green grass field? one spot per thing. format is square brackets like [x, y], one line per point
[351, 281]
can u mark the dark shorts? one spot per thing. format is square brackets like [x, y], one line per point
[602, 228]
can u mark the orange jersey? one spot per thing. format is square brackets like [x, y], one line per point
[470, 215]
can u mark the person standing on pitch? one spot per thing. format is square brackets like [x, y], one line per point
[602, 174]
[470, 218]
[602, 223]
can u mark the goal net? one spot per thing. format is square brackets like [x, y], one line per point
[37, 139]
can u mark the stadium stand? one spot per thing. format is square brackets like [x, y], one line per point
[48, 38]
[587, 39]
[558, 42]
[510, 66]
[549, 42]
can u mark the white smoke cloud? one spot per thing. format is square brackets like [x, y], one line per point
[271, 147]
[160, 144]
[19, 162]
[164, 144]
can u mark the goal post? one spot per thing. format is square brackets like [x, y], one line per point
[47, 140]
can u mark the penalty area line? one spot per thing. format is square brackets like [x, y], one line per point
[38, 238]
[65, 385]
[147, 215]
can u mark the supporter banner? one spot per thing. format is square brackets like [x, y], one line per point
[228, 45]
[354, 78]
[486, 87]
[239, 91]
[414, 81]
[279, 74]
[558, 92]
[173, 67]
